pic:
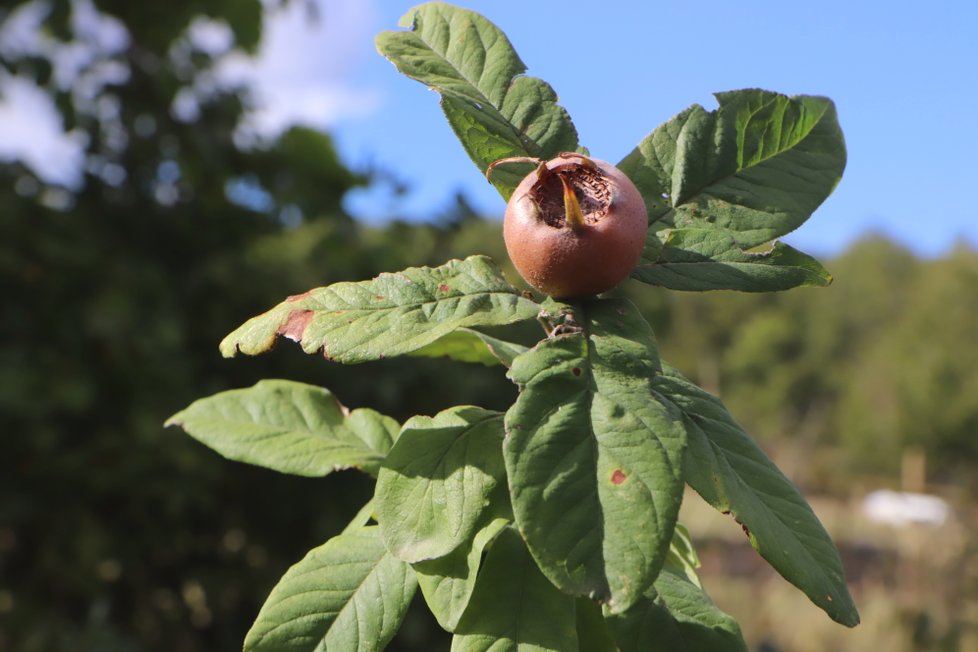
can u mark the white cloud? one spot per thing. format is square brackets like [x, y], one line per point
[31, 131]
[304, 69]
[211, 36]
[101, 31]
[31, 128]
[302, 74]
[20, 32]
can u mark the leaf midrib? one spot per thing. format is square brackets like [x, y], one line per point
[742, 168]
[317, 312]
[349, 592]
[448, 24]
[817, 121]
[812, 561]
[350, 603]
[475, 85]
[722, 453]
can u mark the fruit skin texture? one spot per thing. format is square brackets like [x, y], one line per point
[568, 261]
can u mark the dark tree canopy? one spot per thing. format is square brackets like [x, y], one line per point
[115, 533]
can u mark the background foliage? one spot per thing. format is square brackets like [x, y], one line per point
[116, 534]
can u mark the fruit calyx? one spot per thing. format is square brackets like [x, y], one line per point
[575, 226]
[569, 190]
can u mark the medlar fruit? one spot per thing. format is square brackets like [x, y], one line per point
[575, 226]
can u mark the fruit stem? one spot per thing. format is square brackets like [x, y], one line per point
[573, 216]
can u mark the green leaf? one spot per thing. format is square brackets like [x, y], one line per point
[758, 166]
[682, 556]
[348, 594]
[495, 111]
[711, 259]
[594, 460]
[593, 634]
[729, 470]
[447, 582]
[289, 427]
[514, 607]
[437, 481]
[390, 315]
[677, 616]
[467, 345]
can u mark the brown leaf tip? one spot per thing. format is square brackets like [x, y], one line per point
[298, 297]
[295, 326]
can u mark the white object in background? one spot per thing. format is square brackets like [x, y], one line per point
[900, 508]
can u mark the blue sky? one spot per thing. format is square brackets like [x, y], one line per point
[903, 75]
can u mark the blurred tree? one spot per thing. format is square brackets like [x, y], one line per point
[880, 361]
[118, 285]
[917, 382]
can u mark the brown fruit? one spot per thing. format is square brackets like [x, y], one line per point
[575, 226]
